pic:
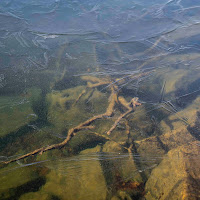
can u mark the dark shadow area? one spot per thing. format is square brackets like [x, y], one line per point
[195, 130]
[31, 186]
[40, 108]
[68, 82]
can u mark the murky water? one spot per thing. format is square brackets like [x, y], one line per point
[99, 99]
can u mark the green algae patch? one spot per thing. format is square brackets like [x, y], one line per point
[17, 111]
[74, 179]
[37, 195]
[65, 114]
[13, 118]
[19, 180]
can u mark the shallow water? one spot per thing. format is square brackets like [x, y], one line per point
[64, 62]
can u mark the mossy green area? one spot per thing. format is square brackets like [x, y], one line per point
[94, 165]
[62, 110]
[17, 111]
[91, 166]
[14, 114]
[151, 153]
[16, 180]
[63, 182]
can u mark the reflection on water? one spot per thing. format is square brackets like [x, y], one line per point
[99, 99]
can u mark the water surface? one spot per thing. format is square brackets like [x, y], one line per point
[64, 62]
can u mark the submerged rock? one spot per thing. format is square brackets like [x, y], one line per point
[159, 145]
[177, 176]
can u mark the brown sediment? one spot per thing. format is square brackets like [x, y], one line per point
[130, 149]
[133, 103]
[127, 128]
[128, 185]
[118, 120]
[123, 102]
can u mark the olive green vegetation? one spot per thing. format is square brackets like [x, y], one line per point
[14, 116]
[58, 116]
[33, 114]
[19, 107]
[63, 182]
[65, 174]
[17, 181]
